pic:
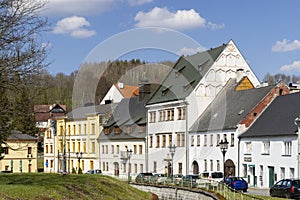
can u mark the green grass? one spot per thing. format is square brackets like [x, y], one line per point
[56, 186]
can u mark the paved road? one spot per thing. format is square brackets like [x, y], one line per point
[257, 191]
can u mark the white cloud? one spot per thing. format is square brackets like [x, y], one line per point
[77, 7]
[162, 17]
[75, 26]
[138, 2]
[295, 66]
[190, 51]
[286, 45]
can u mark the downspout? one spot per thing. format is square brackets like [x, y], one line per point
[146, 143]
[186, 140]
[239, 142]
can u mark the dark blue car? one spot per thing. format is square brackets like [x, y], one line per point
[237, 183]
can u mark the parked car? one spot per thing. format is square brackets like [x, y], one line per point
[210, 178]
[237, 183]
[289, 188]
[189, 180]
[158, 178]
[94, 171]
[175, 179]
[143, 177]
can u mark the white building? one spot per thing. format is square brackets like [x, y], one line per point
[269, 148]
[185, 93]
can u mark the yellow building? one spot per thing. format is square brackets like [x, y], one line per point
[20, 154]
[76, 139]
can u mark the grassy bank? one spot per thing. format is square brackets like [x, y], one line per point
[56, 186]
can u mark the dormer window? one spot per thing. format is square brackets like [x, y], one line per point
[106, 131]
[117, 130]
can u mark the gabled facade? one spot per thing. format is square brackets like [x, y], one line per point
[75, 142]
[125, 131]
[236, 106]
[20, 154]
[269, 148]
[119, 91]
[185, 93]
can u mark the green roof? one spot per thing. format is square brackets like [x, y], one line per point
[185, 76]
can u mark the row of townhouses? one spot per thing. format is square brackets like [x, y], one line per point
[206, 98]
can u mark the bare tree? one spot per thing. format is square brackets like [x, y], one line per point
[22, 52]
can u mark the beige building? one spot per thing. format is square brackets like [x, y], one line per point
[20, 154]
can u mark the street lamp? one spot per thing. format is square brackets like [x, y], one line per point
[224, 148]
[172, 149]
[129, 153]
[79, 157]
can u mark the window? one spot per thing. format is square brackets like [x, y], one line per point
[211, 139]
[46, 148]
[161, 115]
[192, 140]
[232, 139]
[211, 165]
[170, 139]
[93, 131]
[112, 149]
[248, 147]
[163, 141]
[84, 129]
[205, 140]
[218, 139]
[266, 147]
[225, 137]
[151, 141]
[180, 137]
[51, 148]
[69, 129]
[170, 114]
[292, 173]
[5, 149]
[29, 150]
[51, 163]
[141, 167]
[134, 149]
[154, 166]
[180, 168]
[205, 165]
[84, 146]
[181, 113]
[74, 129]
[152, 116]
[93, 148]
[118, 149]
[261, 170]
[244, 168]
[117, 130]
[79, 129]
[282, 172]
[218, 165]
[140, 149]
[68, 145]
[73, 146]
[198, 140]
[135, 168]
[288, 148]
[61, 130]
[128, 128]
[78, 146]
[107, 166]
[157, 141]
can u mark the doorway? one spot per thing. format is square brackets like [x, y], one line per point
[271, 176]
[195, 167]
[229, 168]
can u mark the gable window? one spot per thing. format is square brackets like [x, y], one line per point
[266, 147]
[287, 148]
[248, 146]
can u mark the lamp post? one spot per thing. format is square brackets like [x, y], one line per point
[297, 123]
[224, 148]
[79, 157]
[129, 153]
[172, 149]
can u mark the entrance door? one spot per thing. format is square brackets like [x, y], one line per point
[29, 168]
[229, 168]
[271, 176]
[116, 170]
[195, 167]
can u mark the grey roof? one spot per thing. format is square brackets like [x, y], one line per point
[229, 107]
[185, 76]
[129, 112]
[278, 119]
[20, 136]
[82, 112]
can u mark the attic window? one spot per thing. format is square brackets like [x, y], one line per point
[106, 131]
[177, 72]
[188, 85]
[165, 91]
[201, 66]
[241, 112]
[117, 130]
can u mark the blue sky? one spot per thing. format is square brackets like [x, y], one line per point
[266, 32]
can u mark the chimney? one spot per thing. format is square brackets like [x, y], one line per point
[121, 85]
[239, 74]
